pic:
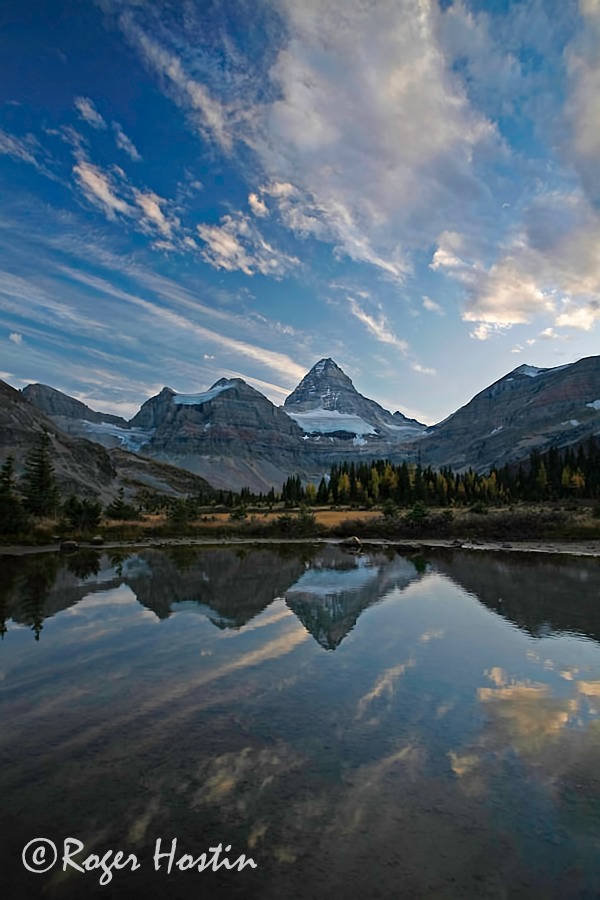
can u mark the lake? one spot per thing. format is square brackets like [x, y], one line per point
[369, 726]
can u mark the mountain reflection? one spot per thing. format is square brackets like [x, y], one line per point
[538, 593]
[325, 587]
[331, 594]
[449, 748]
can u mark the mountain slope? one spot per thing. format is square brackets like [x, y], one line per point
[527, 409]
[76, 418]
[231, 434]
[81, 466]
[234, 437]
[326, 401]
[54, 403]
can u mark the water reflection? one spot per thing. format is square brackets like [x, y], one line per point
[337, 587]
[448, 747]
[327, 589]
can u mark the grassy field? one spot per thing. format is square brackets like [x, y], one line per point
[555, 521]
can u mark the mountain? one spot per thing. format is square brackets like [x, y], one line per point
[231, 434]
[326, 402]
[530, 408]
[54, 403]
[234, 437]
[82, 466]
[76, 418]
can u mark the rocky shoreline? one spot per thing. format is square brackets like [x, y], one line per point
[570, 548]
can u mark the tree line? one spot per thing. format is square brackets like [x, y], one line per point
[36, 495]
[553, 475]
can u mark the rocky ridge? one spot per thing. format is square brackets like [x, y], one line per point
[83, 467]
[529, 408]
[234, 437]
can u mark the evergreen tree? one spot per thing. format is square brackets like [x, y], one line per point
[82, 514]
[40, 490]
[13, 517]
[120, 510]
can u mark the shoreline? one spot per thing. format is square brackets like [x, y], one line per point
[565, 548]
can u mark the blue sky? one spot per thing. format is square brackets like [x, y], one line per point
[191, 190]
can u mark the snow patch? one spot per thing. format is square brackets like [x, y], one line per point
[359, 440]
[130, 438]
[532, 371]
[332, 582]
[595, 404]
[328, 420]
[496, 430]
[199, 399]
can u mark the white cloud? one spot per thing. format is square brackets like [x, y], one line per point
[153, 215]
[258, 206]
[89, 113]
[236, 244]
[347, 129]
[17, 293]
[431, 306]
[336, 114]
[100, 189]
[549, 267]
[548, 334]
[25, 149]
[211, 116]
[378, 327]
[15, 337]
[581, 317]
[179, 324]
[582, 111]
[423, 370]
[482, 332]
[125, 143]
[18, 148]
[111, 192]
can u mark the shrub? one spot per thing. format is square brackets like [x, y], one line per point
[83, 515]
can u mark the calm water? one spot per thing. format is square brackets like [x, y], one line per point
[360, 726]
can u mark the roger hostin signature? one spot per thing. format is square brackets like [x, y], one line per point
[41, 854]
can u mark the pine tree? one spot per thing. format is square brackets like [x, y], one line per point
[82, 514]
[13, 517]
[40, 490]
[120, 510]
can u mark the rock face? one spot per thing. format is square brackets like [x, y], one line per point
[74, 417]
[327, 389]
[231, 434]
[56, 404]
[340, 424]
[234, 437]
[527, 409]
[81, 466]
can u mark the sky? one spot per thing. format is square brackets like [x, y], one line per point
[197, 189]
